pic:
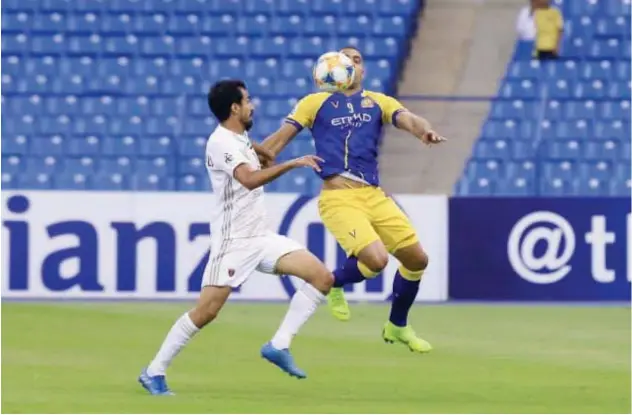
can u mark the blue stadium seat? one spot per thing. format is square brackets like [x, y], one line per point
[12, 164]
[564, 170]
[490, 170]
[518, 186]
[596, 170]
[72, 181]
[616, 129]
[597, 70]
[604, 150]
[554, 187]
[34, 181]
[525, 89]
[80, 165]
[562, 149]
[158, 166]
[191, 146]
[287, 25]
[84, 146]
[191, 182]
[619, 187]
[48, 165]
[193, 165]
[580, 110]
[151, 182]
[161, 146]
[55, 145]
[520, 170]
[9, 181]
[616, 110]
[14, 145]
[110, 181]
[358, 25]
[122, 165]
[495, 148]
[589, 187]
[477, 187]
[120, 146]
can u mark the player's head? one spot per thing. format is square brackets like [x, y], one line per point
[358, 62]
[229, 99]
[541, 4]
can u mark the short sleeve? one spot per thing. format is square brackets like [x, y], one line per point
[390, 107]
[225, 155]
[304, 113]
[559, 20]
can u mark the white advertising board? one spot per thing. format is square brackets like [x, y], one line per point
[126, 245]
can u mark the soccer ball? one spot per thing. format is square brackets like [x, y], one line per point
[333, 72]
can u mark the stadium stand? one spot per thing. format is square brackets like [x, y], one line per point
[111, 94]
[561, 127]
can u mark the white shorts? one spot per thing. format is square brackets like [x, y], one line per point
[231, 262]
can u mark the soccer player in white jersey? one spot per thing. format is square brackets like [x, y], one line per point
[240, 241]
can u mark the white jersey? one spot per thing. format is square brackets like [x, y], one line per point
[237, 212]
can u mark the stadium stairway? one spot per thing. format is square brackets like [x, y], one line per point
[561, 128]
[447, 62]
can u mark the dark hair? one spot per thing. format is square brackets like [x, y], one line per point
[223, 95]
[352, 48]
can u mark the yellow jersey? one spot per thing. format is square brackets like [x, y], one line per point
[548, 23]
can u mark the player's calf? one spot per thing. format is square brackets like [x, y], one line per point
[211, 301]
[414, 262]
[318, 281]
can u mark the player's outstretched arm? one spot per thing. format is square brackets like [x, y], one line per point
[276, 142]
[251, 178]
[418, 126]
[266, 157]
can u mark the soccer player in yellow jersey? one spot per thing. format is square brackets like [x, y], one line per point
[549, 25]
[346, 127]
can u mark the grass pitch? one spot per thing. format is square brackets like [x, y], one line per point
[84, 358]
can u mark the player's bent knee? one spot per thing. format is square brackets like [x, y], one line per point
[376, 263]
[323, 281]
[375, 258]
[413, 257]
[418, 262]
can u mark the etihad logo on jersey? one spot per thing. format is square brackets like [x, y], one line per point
[355, 120]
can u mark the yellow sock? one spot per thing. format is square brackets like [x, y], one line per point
[410, 275]
[366, 271]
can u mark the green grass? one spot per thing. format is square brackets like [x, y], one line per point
[84, 358]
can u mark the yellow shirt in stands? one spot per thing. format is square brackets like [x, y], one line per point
[548, 23]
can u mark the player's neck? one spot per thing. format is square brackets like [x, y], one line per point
[353, 91]
[235, 126]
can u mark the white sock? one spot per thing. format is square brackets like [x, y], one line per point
[181, 332]
[304, 303]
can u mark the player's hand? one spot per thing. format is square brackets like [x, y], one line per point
[432, 137]
[308, 161]
[266, 157]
